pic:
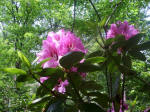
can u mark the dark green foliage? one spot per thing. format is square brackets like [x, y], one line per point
[70, 59]
[90, 107]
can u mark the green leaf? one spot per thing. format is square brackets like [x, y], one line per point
[125, 70]
[95, 53]
[40, 101]
[137, 55]
[71, 58]
[143, 46]
[24, 59]
[91, 107]
[103, 21]
[127, 61]
[132, 41]
[84, 67]
[119, 38]
[56, 107]
[76, 79]
[90, 85]
[23, 78]
[42, 62]
[50, 71]
[42, 91]
[95, 60]
[49, 83]
[109, 42]
[101, 99]
[14, 71]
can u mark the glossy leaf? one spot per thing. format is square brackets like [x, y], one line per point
[101, 99]
[127, 61]
[90, 85]
[95, 60]
[70, 59]
[83, 67]
[138, 55]
[40, 101]
[91, 107]
[143, 46]
[50, 71]
[133, 41]
[23, 78]
[42, 91]
[56, 107]
[95, 53]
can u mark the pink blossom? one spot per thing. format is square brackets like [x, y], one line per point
[49, 51]
[82, 61]
[83, 75]
[147, 110]
[70, 43]
[122, 29]
[61, 86]
[42, 79]
[57, 45]
[127, 30]
[54, 47]
[74, 69]
[113, 31]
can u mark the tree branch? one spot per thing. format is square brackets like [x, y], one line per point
[95, 10]
[99, 19]
[74, 15]
[43, 84]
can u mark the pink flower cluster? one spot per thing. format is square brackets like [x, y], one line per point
[60, 87]
[122, 29]
[54, 47]
[57, 45]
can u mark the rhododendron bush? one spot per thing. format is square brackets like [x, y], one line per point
[63, 65]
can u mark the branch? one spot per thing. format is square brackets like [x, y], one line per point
[142, 80]
[99, 19]
[42, 84]
[95, 10]
[108, 89]
[74, 15]
[116, 6]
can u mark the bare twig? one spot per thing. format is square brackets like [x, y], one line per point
[99, 19]
[95, 10]
[114, 10]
